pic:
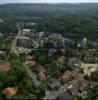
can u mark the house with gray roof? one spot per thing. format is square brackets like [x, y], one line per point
[73, 62]
[64, 96]
[54, 84]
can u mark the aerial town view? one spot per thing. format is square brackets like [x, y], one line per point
[48, 50]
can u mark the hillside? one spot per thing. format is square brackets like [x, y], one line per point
[36, 10]
[70, 20]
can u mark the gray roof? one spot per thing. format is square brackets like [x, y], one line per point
[64, 96]
[90, 59]
[73, 62]
[54, 83]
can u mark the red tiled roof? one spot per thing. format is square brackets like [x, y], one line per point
[9, 92]
[83, 84]
[64, 78]
[67, 75]
[5, 66]
[74, 88]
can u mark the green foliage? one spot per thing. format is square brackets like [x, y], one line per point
[53, 70]
[92, 93]
[16, 62]
[36, 10]
[94, 76]
[36, 68]
[22, 97]
[73, 26]
[17, 76]
[42, 60]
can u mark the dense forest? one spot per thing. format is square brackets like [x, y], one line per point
[70, 20]
[73, 26]
[70, 26]
[37, 10]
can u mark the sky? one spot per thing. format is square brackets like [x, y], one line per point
[47, 1]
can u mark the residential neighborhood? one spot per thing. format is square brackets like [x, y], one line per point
[64, 68]
[47, 52]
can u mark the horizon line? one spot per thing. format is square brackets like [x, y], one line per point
[49, 3]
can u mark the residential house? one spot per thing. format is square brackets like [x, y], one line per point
[83, 84]
[54, 84]
[66, 77]
[74, 62]
[9, 92]
[90, 59]
[78, 87]
[73, 90]
[64, 96]
[5, 66]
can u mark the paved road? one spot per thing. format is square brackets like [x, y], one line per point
[13, 45]
[15, 40]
